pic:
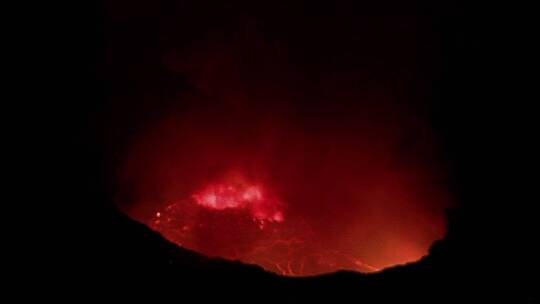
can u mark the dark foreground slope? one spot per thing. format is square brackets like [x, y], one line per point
[129, 259]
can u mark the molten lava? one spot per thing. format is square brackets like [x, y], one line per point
[262, 163]
[291, 197]
[297, 143]
[231, 215]
[249, 197]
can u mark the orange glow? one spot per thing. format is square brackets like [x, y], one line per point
[296, 198]
[276, 245]
[240, 196]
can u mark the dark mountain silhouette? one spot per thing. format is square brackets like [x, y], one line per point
[130, 254]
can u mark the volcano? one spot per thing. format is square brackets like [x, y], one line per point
[285, 142]
[281, 196]
[242, 223]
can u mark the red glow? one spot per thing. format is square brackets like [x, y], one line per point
[278, 204]
[285, 248]
[300, 175]
[240, 196]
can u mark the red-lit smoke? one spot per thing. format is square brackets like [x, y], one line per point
[268, 162]
[230, 195]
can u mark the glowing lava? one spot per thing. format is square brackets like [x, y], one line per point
[300, 148]
[294, 197]
[242, 213]
[250, 197]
